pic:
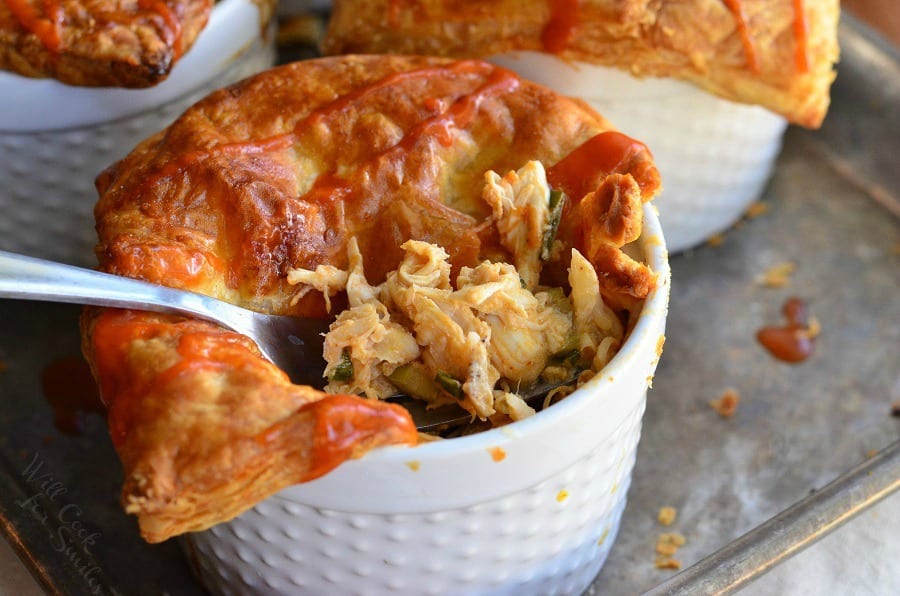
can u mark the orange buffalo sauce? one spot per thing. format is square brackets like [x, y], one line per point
[560, 29]
[170, 30]
[801, 29]
[201, 347]
[344, 424]
[792, 342]
[606, 153]
[46, 27]
[737, 9]
[70, 390]
[440, 125]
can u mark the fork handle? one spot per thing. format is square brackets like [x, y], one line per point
[31, 278]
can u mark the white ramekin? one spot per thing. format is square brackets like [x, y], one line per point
[452, 517]
[56, 138]
[714, 155]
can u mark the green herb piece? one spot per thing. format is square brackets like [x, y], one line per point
[415, 381]
[557, 202]
[449, 384]
[343, 370]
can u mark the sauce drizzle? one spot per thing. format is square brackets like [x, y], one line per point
[45, 28]
[792, 342]
[458, 115]
[603, 154]
[737, 9]
[48, 27]
[801, 29]
[170, 30]
[560, 29]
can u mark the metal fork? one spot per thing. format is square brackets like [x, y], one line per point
[293, 344]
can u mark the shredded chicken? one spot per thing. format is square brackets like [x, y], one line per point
[476, 340]
[521, 205]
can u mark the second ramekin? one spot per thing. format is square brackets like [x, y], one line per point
[56, 138]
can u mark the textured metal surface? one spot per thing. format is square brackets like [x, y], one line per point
[798, 527]
[797, 427]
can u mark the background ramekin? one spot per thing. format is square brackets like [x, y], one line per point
[55, 138]
[452, 517]
[714, 155]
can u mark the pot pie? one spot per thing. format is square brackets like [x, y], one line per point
[112, 43]
[779, 54]
[431, 205]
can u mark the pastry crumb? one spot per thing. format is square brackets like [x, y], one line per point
[726, 404]
[666, 515]
[414, 465]
[667, 545]
[756, 209]
[778, 276]
[562, 495]
[895, 409]
[716, 240]
[871, 453]
[664, 562]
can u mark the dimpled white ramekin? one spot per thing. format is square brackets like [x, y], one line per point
[714, 155]
[447, 517]
[55, 138]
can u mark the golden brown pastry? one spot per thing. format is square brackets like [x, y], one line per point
[279, 172]
[776, 53]
[131, 43]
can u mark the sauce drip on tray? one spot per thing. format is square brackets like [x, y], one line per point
[70, 390]
[792, 342]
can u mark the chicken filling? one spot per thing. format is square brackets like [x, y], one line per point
[477, 340]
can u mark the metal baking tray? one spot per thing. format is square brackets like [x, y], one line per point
[833, 211]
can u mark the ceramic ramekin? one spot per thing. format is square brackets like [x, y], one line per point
[55, 138]
[714, 155]
[530, 508]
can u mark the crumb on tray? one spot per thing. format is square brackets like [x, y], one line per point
[726, 404]
[756, 209]
[667, 545]
[778, 276]
[895, 409]
[716, 240]
[667, 515]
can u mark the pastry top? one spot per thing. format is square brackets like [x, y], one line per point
[98, 43]
[776, 53]
[280, 172]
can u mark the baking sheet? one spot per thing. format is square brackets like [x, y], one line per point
[833, 212]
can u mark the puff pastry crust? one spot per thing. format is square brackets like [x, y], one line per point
[111, 43]
[279, 172]
[776, 53]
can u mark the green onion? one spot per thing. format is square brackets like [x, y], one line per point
[557, 202]
[449, 384]
[343, 370]
[415, 381]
